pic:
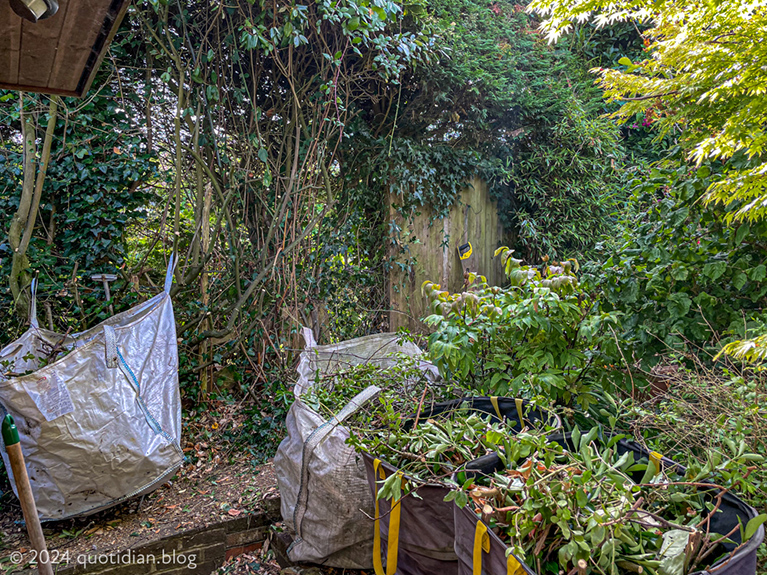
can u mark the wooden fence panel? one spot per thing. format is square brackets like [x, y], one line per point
[434, 256]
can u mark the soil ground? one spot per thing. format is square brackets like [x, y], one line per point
[262, 562]
[220, 484]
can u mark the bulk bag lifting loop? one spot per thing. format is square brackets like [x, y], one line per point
[33, 303]
[482, 544]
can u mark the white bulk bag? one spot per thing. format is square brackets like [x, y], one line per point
[322, 481]
[102, 423]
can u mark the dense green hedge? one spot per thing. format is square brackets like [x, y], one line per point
[679, 273]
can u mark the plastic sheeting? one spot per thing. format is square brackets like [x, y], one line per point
[102, 423]
[322, 481]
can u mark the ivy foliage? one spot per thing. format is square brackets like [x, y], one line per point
[500, 104]
[555, 160]
[560, 191]
[680, 273]
[92, 192]
[413, 174]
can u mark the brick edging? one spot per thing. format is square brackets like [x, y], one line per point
[208, 547]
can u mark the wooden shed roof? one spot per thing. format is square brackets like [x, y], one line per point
[59, 55]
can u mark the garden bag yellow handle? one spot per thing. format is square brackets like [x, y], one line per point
[517, 402]
[393, 542]
[482, 543]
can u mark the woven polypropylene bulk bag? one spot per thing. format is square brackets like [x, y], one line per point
[325, 498]
[101, 422]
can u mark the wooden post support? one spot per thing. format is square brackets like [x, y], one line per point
[24, 489]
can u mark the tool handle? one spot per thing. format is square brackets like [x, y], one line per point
[29, 508]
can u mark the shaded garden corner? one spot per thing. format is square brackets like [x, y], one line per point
[219, 504]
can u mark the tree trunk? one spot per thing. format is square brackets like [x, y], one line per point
[23, 223]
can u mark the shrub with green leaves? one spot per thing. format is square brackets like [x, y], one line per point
[681, 272]
[541, 336]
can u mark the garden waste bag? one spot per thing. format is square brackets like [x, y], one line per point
[325, 498]
[423, 527]
[98, 412]
[481, 551]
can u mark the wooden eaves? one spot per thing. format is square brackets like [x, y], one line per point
[59, 55]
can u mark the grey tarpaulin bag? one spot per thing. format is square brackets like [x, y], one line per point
[322, 481]
[102, 423]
